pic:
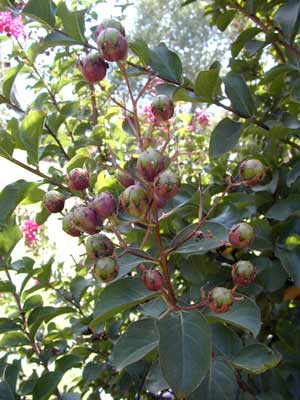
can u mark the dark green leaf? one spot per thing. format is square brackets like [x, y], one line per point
[239, 94]
[73, 22]
[203, 245]
[7, 287]
[208, 84]
[225, 340]
[139, 339]
[30, 134]
[224, 137]
[46, 385]
[141, 49]
[9, 237]
[79, 286]
[11, 196]
[288, 17]
[256, 358]
[118, 297]
[67, 362]
[7, 324]
[14, 339]
[155, 382]
[166, 63]
[44, 314]
[184, 354]
[244, 314]
[9, 79]
[43, 11]
[224, 19]
[242, 39]
[281, 210]
[5, 391]
[220, 385]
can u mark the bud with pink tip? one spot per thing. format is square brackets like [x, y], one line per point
[78, 179]
[112, 45]
[86, 220]
[109, 23]
[134, 200]
[93, 68]
[166, 185]
[99, 245]
[162, 107]
[124, 178]
[241, 235]
[153, 279]
[105, 205]
[150, 163]
[54, 201]
[243, 272]
[106, 269]
[69, 226]
[252, 172]
[220, 299]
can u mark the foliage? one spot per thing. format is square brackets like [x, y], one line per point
[67, 335]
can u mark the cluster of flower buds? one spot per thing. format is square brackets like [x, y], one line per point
[88, 218]
[112, 44]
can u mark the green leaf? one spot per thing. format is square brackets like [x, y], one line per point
[139, 339]
[7, 145]
[81, 156]
[242, 39]
[30, 134]
[118, 297]
[225, 340]
[220, 385]
[201, 246]
[184, 350]
[46, 385]
[67, 362]
[7, 325]
[282, 209]
[208, 84]
[182, 94]
[42, 11]
[14, 339]
[5, 391]
[9, 79]
[11, 196]
[166, 63]
[9, 237]
[44, 314]
[73, 22]
[224, 137]
[78, 287]
[7, 287]
[293, 174]
[52, 40]
[33, 302]
[256, 358]
[91, 372]
[239, 94]
[224, 19]
[141, 49]
[288, 18]
[155, 382]
[127, 262]
[244, 314]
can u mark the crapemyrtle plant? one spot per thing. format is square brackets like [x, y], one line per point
[188, 282]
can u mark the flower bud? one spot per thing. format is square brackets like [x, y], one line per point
[252, 172]
[112, 45]
[69, 226]
[86, 220]
[241, 235]
[106, 269]
[243, 272]
[153, 279]
[109, 23]
[99, 245]
[124, 178]
[93, 68]
[166, 185]
[134, 200]
[220, 299]
[162, 107]
[105, 205]
[150, 163]
[78, 179]
[54, 201]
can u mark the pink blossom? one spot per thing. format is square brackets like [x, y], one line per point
[148, 114]
[29, 229]
[11, 26]
[203, 118]
[192, 127]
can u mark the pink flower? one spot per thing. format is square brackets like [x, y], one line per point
[11, 26]
[29, 229]
[203, 118]
[192, 127]
[148, 115]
